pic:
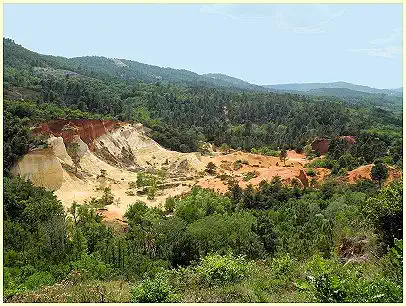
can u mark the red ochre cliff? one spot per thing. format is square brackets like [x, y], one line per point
[321, 145]
[87, 129]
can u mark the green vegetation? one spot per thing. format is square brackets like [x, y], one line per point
[330, 242]
[255, 243]
[250, 175]
[182, 116]
[379, 172]
[265, 151]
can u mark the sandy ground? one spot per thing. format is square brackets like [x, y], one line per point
[266, 167]
[118, 179]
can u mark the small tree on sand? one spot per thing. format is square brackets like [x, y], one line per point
[379, 172]
[211, 168]
[283, 156]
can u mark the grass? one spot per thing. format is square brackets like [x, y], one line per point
[71, 291]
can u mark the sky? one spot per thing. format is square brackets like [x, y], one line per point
[260, 43]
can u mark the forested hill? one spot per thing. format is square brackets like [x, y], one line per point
[19, 62]
[182, 117]
[18, 57]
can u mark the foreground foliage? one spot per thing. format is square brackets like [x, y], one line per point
[273, 243]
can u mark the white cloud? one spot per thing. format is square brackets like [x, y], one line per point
[231, 12]
[394, 38]
[315, 23]
[296, 18]
[388, 47]
[387, 52]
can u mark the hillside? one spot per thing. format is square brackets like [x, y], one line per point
[16, 56]
[126, 182]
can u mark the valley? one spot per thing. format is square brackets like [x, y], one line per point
[128, 182]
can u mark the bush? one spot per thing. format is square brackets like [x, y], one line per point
[311, 172]
[170, 204]
[151, 190]
[38, 279]
[156, 290]
[200, 203]
[342, 172]
[267, 151]
[220, 233]
[91, 266]
[386, 213]
[379, 172]
[215, 270]
[307, 150]
[211, 168]
[146, 179]
[282, 266]
[237, 165]
[331, 281]
[250, 175]
[319, 163]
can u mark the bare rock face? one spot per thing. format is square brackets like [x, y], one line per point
[88, 130]
[42, 167]
[82, 146]
[59, 149]
[303, 178]
[320, 145]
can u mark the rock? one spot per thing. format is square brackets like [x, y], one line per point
[320, 145]
[303, 178]
[42, 167]
[59, 149]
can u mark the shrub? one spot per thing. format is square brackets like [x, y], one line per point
[379, 172]
[267, 151]
[311, 172]
[91, 266]
[146, 179]
[219, 233]
[215, 270]
[170, 204]
[132, 185]
[38, 279]
[282, 266]
[211, 168]
[151, 190]
[307, 150]
[200, 203]
[342, 172]
[386, 213]
[250, 175]
[237, 165]
[154, 290]
[331, 281]
[320, 163]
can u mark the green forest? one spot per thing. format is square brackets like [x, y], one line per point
[268, 243]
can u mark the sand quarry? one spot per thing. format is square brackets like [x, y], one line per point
[126, 150]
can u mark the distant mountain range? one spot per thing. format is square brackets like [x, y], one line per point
[324, 88]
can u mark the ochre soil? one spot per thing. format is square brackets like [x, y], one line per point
[266, 167]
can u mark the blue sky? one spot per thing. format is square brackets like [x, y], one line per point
[262, 44]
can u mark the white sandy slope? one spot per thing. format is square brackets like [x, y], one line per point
[53, 168]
